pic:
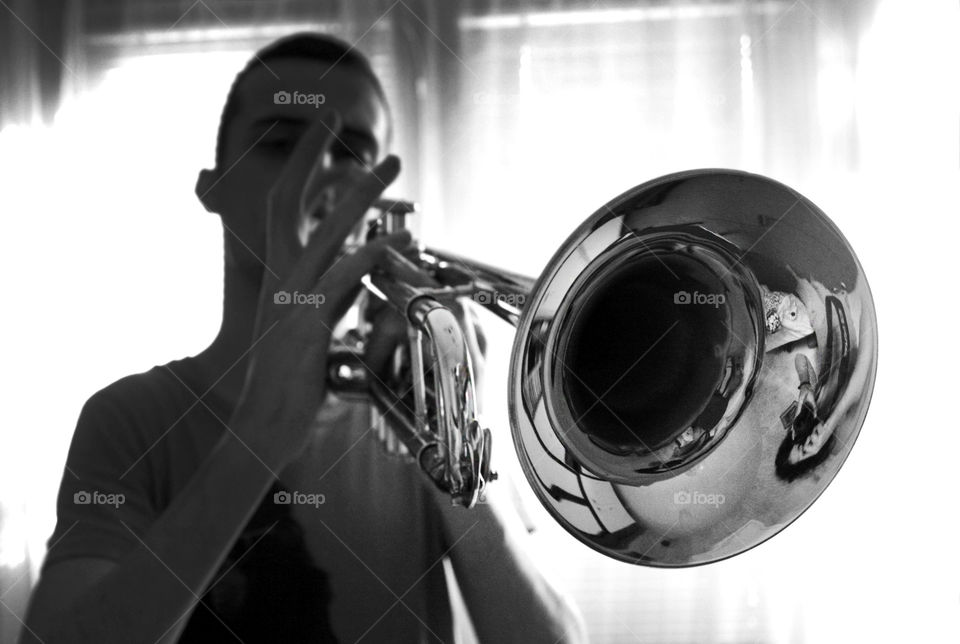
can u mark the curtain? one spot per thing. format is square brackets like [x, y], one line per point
[515, 120]
[32, 73]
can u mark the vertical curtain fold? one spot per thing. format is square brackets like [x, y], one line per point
[32, 49]
[514, 119]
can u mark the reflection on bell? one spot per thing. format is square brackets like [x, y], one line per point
[692, 368]
[689, 372]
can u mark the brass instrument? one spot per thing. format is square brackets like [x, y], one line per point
[689, 372]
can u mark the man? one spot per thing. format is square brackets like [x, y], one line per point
[225, 496]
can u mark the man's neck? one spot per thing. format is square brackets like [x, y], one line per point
[224, 363]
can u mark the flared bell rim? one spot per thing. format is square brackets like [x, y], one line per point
[522, 420]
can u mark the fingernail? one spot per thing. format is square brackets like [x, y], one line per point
[391, 162]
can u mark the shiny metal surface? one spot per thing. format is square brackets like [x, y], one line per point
[689, 372]
[425, 408]
[736, 384]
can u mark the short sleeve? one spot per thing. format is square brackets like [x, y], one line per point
[103, 504]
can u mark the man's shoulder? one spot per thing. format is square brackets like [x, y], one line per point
[146, 398]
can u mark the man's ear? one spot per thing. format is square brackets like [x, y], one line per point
[206, 189]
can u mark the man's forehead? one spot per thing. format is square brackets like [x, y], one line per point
[301, 88]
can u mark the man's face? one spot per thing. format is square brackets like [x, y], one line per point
[266, 128]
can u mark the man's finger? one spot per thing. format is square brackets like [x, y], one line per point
[364, 193]
[321, 252]
[282, 226]
[312, 148]
[343, 278]
[330, 174]
[310, 152]
[389, 332]
[321, 198]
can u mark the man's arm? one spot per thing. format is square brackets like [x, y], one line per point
[150, 592]
[507, 597]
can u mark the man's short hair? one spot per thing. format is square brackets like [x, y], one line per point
[305, 45]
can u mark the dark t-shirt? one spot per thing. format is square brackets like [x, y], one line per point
[355, 554]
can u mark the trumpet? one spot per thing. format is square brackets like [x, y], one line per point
[689, 371]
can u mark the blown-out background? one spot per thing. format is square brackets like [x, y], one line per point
[515, 120]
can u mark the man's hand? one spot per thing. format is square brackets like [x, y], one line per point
[307, 287]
